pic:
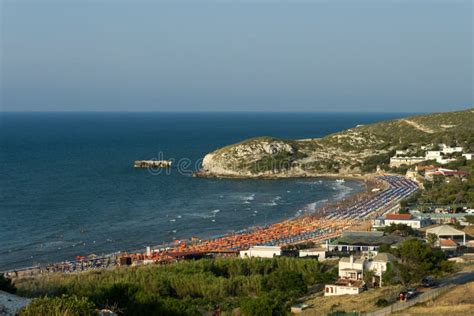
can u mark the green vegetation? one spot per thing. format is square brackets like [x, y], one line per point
[453, 193]
[278, 162]
[257, 286]
[418, 260]
[6, 284]
[59, 306]
[400, 230]
[356, 150]
[381, 302]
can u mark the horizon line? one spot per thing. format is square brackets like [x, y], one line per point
[226, 112]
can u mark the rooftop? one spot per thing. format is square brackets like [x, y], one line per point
[376, 240]
[447, 243]
[445, 230]
[361, 234]
[398, 217]
[347, 259]
[349, 282]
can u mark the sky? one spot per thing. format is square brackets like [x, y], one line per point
[301, 56]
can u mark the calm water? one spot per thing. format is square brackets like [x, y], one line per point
[68, 187]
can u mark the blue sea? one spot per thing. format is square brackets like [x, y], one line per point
[68, 186]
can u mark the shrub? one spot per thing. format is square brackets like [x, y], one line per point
[381, 302]
[60, 306]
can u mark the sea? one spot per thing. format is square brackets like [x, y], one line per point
[68, 186]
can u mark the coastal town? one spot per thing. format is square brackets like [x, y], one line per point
[405, 239]
[356, 234]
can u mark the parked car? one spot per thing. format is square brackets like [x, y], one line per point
[407, 294]
[411, 293]
[428, 282]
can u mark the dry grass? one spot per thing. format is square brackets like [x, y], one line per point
[458, 301]
[364, 302]
[469, 230]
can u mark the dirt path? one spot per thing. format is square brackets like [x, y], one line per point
[419, 126]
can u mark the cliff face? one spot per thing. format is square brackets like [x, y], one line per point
[351, 152]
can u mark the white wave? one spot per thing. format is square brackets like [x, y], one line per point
[210, 214]
[344, 190]
[248, 198]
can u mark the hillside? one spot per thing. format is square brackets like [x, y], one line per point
[351, 152]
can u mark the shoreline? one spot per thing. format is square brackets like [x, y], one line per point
[246, 230]
[355, 176]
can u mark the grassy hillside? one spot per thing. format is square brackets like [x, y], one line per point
[353, 151]
[257, 286]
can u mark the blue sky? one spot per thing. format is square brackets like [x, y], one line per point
[395, 56]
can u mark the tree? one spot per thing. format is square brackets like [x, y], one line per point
[432, 239]
[390, 275]
[369, 276]
[267, 305]
[419, 260]
[400, 229]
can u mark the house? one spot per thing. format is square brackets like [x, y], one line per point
[261, 252]
[444, 161]
[405, 219]
[442, 218]
[402, 152]
[399, 161]
[379, 263]
[433, 155]
[350, 268]
[447, 244]
[448, 173]
[448, 232]
[450, 150]
[468, 156]
[344, 287]
[351, 274]
[319, 253]
[362, 242]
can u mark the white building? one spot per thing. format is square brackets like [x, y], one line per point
[433, 155]
[261, 252]
[351, 274]
[468, 156]
[401, 152]
[449, 150]
[448, 232]
[350, 268]
[398, 161]
[344, 287]
[444, 161]
[379, 263]
[320, 253]
[406, 219]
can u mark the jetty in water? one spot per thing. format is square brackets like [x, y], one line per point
[152, 163]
